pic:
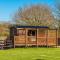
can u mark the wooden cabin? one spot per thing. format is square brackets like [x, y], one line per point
[33, 36]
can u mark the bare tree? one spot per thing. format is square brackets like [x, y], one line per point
[57, 3]
[57, 9]
[36, 15]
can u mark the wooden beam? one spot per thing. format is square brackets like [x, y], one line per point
[47, 38]
[14, 41]
[56, 38]
[26, 37]
[37, 38]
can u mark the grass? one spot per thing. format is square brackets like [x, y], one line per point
[30, 54]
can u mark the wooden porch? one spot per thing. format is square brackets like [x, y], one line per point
[36, 37]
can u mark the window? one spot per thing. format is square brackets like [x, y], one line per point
[21, 32]
[31, 32]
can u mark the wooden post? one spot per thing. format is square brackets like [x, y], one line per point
[37, 38]
[56, 37]
[26, 38]
[14, 41]
[47, 38]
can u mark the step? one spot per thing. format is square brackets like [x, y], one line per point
[8, 46]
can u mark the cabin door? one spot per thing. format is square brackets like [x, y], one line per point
[32, 34]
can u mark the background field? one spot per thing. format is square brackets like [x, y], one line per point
[30, 54]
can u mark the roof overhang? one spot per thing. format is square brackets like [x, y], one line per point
[31, 26]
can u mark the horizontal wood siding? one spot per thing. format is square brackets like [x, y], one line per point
[44, 37]
[19, 40]
[51, 40]
[41, 41]
[31, 40]
[58, 37]
[41, 37]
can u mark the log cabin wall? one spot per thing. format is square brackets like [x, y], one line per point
[31, 36]
[58, 38]
[20, 39]
[25, 37]
[35, 37]
[52, 37]
[42, 37]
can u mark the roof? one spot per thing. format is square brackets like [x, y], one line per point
[31, 26]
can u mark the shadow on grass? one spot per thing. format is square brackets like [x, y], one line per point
[39, 59]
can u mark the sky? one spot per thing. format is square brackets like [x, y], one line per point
[9, 7]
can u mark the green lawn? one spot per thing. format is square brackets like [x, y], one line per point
[30, 54]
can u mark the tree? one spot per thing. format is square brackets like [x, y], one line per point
[57, 3]
[57, 6]
[36, 15]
